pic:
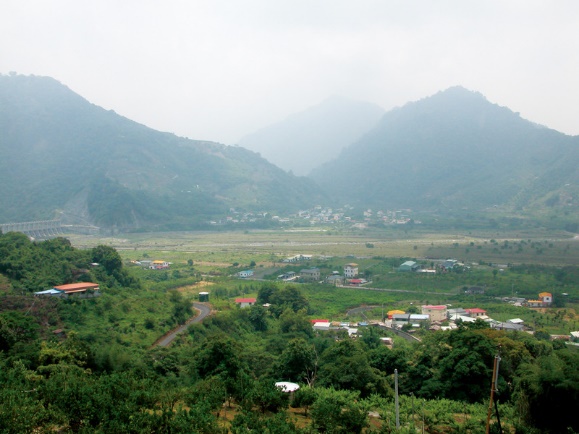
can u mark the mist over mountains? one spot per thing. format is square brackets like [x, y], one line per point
[63, 157]
[456, 150]
[305, 140]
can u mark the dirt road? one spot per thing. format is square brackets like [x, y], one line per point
[204, 311]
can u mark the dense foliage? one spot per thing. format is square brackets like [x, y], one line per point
[59, 152]
[455, 150]
[219, 377]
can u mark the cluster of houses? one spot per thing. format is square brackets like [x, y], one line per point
[80, 289]
[313, 274]
[321, 215]
[443, 267]
[441, 317]
[152, 265]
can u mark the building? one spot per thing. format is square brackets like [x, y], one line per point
[436, 313]
[408, 266]
[476, 312]
[350, 270]
[289, 276]
[449, 264]
[456, 312]
[246, 273]
[159, 265]
[298, 258]
[409, 318]
[322, 326]
[310, 274]
[335, 279]
[77, 288]
[85, 289]
[475, 290]
[507, 326]
[245, 302]
[391, 313]
[546, 298]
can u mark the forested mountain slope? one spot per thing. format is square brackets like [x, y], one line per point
[456, 150]
[60, 152]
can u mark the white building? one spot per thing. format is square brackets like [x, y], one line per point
[350, 270]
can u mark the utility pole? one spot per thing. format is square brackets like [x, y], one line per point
[412, 398]
[396, 399]
[493, 388]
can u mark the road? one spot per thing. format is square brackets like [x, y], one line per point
[204, 311]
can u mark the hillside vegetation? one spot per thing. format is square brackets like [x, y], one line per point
[453, 151]
[63, 157]
[104, 376]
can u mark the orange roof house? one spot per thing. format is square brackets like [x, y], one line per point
[395, 312]
[545, 300]
[73, 288]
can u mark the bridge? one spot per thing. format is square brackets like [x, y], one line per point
[45, 229]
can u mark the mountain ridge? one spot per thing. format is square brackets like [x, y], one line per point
[304, 140]
[441, 151]
[58, 147]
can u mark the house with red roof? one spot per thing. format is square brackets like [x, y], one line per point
[476, 312]
[245, 302]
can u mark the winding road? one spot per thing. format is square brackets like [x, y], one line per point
[204, 311]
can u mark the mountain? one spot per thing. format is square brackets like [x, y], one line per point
[456, 150]
[62, 155]
[309, 138]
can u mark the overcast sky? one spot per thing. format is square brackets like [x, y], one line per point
[218, 70]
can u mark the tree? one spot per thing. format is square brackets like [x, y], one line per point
[265, 292]
[288, 297]
[304, 397]
[338, 412]
[295, 322]
[298, 362]
[258, 317]
[547, 391]
[108, 257]
[345, 366]
[267, 397]
[16, 327]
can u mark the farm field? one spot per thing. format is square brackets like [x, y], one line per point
[498, 261]
[538, 247]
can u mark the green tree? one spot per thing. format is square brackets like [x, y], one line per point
[16, 327]
[295, 323]
[108, 258]
[289, 297]
[298, 362]
[345, 366]
[338, 412]
[258, 317]
[547, 391]
[267, 397]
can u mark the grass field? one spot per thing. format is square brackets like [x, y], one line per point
[219, 255]
[539, 247]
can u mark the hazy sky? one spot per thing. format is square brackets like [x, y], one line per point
[217, 70]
